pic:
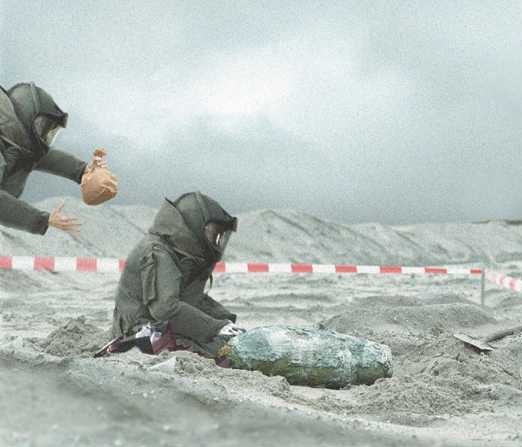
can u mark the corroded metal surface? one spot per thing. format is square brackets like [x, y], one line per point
[313, 357]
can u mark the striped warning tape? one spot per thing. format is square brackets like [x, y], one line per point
[62, 264]
[504, 281]
[113, 265]
[230, 267]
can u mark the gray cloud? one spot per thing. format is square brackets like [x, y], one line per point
[2, 47]
[398, 111]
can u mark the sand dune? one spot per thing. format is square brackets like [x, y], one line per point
[283, 236]
[442, 393]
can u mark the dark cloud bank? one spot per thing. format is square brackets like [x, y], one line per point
[396, 111]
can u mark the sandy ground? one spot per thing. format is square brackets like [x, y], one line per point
[442, 393]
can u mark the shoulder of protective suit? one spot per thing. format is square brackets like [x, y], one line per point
[30, 100]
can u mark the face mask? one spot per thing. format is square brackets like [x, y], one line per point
[218, 235]
[222, 241]
[46, 129]
[51, 136]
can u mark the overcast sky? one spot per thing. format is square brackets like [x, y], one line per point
[389, 111]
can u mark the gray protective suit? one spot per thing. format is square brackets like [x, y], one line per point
[165, 274]
[22, 150]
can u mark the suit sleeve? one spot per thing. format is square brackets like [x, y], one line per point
[62, 164]
[16, 213]
[161, 283]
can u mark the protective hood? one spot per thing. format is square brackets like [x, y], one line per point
[182, 222]
[39, 114]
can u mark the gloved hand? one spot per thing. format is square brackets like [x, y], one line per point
[148, 331]
[231, 330]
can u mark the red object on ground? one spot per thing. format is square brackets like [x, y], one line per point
[167, 341]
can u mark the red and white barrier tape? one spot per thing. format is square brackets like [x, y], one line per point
[113, 265]
[62, 264]
[504, 281]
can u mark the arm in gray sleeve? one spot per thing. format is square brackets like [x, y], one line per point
[20, 215]
[161, 282]
[62, 164]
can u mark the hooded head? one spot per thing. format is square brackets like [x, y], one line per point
[39, 114]
[196, 225]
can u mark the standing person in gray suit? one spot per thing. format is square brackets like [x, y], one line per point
[29, 123]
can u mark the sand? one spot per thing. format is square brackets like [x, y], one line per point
[442, 392]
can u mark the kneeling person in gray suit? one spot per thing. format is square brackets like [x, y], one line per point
[163, 284]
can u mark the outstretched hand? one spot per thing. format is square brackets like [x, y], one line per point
[60, 221]
[231, 330]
